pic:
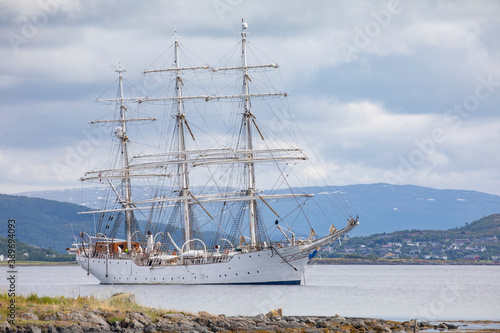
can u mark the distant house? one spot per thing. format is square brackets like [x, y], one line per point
[472, 257]
[349, 250]
[476, 248]
[435, 257]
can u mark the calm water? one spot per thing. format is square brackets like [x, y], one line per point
[389, 292]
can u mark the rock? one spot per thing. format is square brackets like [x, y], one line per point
[70, 329]
[321, 324]
[174, 316]
[204, 314]
[260, 317]
[76, 316]
[134, 323]
[150, 329]
[357, 324]
[28, 316]
[144, 319]
[338, 318]
[274, 313]
[52, 317]
[51, 329]
[164, 325]
[451, 326]
[202, 321]
[442, 326]
[123, 297]
[33, 329]
[381, 328]
[185, 326]
[92, 318]
[5, 326]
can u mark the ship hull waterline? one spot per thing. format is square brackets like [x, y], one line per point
[260, 267]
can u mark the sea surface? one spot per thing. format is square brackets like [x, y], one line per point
[387, 292]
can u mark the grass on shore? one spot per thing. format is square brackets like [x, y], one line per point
[43, 306]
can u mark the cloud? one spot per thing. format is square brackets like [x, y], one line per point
[362, 115]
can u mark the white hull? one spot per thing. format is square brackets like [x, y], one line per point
[260, 267]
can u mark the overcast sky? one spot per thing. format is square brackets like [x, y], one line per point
[385, 91]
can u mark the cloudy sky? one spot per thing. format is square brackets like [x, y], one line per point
[402, 92]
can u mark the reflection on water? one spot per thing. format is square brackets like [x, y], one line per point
[389, 292]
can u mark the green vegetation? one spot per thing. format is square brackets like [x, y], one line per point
[44, 306]
[44, 223]
[480, 238]
[26, 252]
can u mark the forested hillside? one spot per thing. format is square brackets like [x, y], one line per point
[44, 223]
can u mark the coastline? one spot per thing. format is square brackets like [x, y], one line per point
[381, 261]
[121, 313]
[41, 263]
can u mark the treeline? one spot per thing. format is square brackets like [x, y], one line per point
[25, 252]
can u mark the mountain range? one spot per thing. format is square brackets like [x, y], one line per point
[49, 219]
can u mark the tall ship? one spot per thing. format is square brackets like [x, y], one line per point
[200, 185]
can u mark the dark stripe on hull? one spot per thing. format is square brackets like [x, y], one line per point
[293, 282]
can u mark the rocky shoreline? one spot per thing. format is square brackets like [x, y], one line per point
[121, 313]
[274, 321]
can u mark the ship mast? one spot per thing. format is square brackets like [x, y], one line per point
[183, 167]
[122, 136]
[247, 119]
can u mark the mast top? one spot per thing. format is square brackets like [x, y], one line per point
[120, 70]
[244, 27]
[175, 32]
